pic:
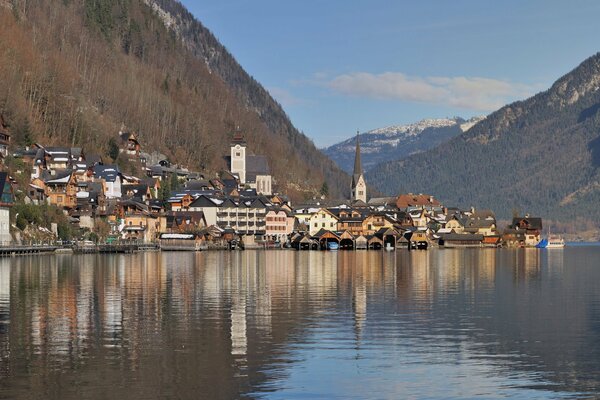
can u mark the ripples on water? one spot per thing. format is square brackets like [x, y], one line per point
[283, 324]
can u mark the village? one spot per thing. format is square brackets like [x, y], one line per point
[172, 208]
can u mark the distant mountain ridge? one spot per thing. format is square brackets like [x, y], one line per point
[540, 155]
[398, 141]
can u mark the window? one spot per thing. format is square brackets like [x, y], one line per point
[323, 225]
[316, 224]
[360, 192]
[238, 154]
[331, 225]
[59, 199]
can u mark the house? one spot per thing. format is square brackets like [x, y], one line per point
[322, 219]
[455, 224]
[185, 221]
[481, 226]
[61, 188]
[210, 206]
[531, 227]
[350, 220]
[461, 240]
[137, 222]
[419, 218]
[376, 221]
[4, 137]
[409, 201]
[130, 144]
[112, 178]
[383, 203]
[139, 192]
[279, 224]
[7, 200]
[57, 158]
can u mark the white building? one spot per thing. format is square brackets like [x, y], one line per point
[253, 171]
[6, 201]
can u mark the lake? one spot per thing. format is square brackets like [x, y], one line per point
[447, 323]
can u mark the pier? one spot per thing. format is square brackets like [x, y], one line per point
[17, 250]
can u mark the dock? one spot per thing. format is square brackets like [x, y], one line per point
[18, 250]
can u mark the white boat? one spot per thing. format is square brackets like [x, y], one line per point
[555, 242]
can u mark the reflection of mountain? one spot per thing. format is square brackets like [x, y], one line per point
[232, 323]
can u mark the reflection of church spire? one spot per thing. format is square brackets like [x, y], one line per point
[360, 307]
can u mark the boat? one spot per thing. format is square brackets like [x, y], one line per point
[553, 242]
[333, 245]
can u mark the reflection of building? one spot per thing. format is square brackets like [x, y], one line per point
[4, 299]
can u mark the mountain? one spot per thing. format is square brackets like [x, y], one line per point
[540, 155]
[398, 142]
[74, 71]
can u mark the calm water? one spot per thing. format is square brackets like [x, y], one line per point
[437, 324]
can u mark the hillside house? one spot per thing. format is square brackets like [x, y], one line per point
[129, 145]
[7, 200]
[61, 188]
[112, 178]
[4, 137]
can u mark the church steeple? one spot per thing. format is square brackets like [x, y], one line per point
[357, 163]
[359, 185]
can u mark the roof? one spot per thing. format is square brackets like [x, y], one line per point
[61, 176]
[460, 237]
[109, 173]
[358, 171]
[93, 159]
[527, 223]
[256, 165]
[419, 200]
[6, 193]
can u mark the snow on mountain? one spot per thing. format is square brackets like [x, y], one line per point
[398, 141]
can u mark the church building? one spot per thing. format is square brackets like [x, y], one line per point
[252, 171]
[359, 185]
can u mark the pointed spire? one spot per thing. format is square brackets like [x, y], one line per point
[357, 163]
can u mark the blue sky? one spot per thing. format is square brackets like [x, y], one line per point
[337, 66]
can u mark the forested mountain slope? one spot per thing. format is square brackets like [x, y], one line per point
[73, 71]
[539, 156]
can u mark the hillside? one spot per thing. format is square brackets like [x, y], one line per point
[397, 142]
[539, 156]
[74, 71]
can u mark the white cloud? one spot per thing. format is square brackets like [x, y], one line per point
[284, 97]
[481, 94]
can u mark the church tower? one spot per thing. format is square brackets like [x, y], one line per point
[359, 185]
[238, 157]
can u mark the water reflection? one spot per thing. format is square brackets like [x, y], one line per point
[280, 324]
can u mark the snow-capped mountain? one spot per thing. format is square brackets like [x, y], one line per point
[398, 141]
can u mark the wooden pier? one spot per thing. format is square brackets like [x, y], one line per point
[116, 248]
[20, 250]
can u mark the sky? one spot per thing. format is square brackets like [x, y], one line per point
[339, 66]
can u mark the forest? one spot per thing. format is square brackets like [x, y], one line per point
[74, 72]
[539, 156]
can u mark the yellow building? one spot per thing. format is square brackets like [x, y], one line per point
[322, 219]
